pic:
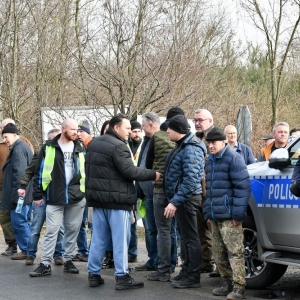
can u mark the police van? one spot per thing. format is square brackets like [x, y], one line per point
[272, 225]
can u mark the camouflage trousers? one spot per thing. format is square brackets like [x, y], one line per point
[228, 251]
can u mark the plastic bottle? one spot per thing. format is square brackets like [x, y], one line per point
[20, 204]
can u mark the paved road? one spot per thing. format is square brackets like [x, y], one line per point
[15, 283]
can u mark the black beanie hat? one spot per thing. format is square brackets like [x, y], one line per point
[135, 125]
[174, 111]
[85, 126]
[179, 124]
[10, 128]
[215, 134]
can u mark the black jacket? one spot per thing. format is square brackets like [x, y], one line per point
[110, 173]
[58, 192]
[17, 161]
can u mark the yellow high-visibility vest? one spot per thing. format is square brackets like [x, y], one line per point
[48, 167]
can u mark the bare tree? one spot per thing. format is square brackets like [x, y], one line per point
[278, 21]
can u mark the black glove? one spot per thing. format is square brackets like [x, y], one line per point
[295, 188]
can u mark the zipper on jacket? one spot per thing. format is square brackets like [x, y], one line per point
[212, 180]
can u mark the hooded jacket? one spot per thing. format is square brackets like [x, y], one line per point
[184, 170]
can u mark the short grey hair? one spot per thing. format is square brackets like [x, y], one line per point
[51, 131]
[229, 126]
[280, 124]
[205, 111]
[6, 121]
[152, 116]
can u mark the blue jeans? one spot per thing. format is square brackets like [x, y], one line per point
[151, 234]
[133, 249]
[111, 226]
[82, 243]
[21, 226]
[39, 217]
[174, 244]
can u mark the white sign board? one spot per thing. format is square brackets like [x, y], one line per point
[54, 116]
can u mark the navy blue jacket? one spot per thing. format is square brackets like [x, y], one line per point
[246, 153]
[228, 187]
[184, 170]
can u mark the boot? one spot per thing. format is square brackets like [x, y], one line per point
[126, 282]
[236, 294]
[225, 288]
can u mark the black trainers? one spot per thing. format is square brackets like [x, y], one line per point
[75, 257]
[41, 270]
[225, 288]
[236, 294]
[126, 282]
[95, 280]
[70, 268]
[182, 274]
[187, 282]
[159, 276]
[10, 250]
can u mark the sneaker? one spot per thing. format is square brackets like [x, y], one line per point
[187, 282]
[108, 261]
[29, 261]
[10, 250]
[214, 274]
[144, 268]
[83, 258]
[95, 280]
[236, 294]
[182, 274]
[70, 268]
[159, 276]
[126, 282]
[58, 261]
[75, 257]
[41, 270]
[19, 256]
[132, 259]
[207, 269]
[225, 289]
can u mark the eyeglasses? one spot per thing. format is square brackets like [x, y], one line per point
[199, 120]
[147, 117]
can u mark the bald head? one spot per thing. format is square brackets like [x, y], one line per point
[6, 121]
[203, 120]
[69, 128]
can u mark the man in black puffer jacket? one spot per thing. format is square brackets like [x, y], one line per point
[110, 173]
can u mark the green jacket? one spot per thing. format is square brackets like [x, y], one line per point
[159, 148]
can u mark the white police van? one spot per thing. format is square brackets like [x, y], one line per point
[272, 225]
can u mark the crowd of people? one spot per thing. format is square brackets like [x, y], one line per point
[195, 189]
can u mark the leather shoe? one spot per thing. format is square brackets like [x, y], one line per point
[144, 268]
[19, 256]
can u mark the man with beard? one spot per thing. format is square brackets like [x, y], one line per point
[59, 183]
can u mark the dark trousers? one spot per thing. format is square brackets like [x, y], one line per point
[205, 240]
[5, 223]
[186, 217]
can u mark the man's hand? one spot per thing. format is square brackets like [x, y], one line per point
[208, 221]
[235, 223]
[158, 175]
[170, 211]
[21, 192]
[39, 203]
